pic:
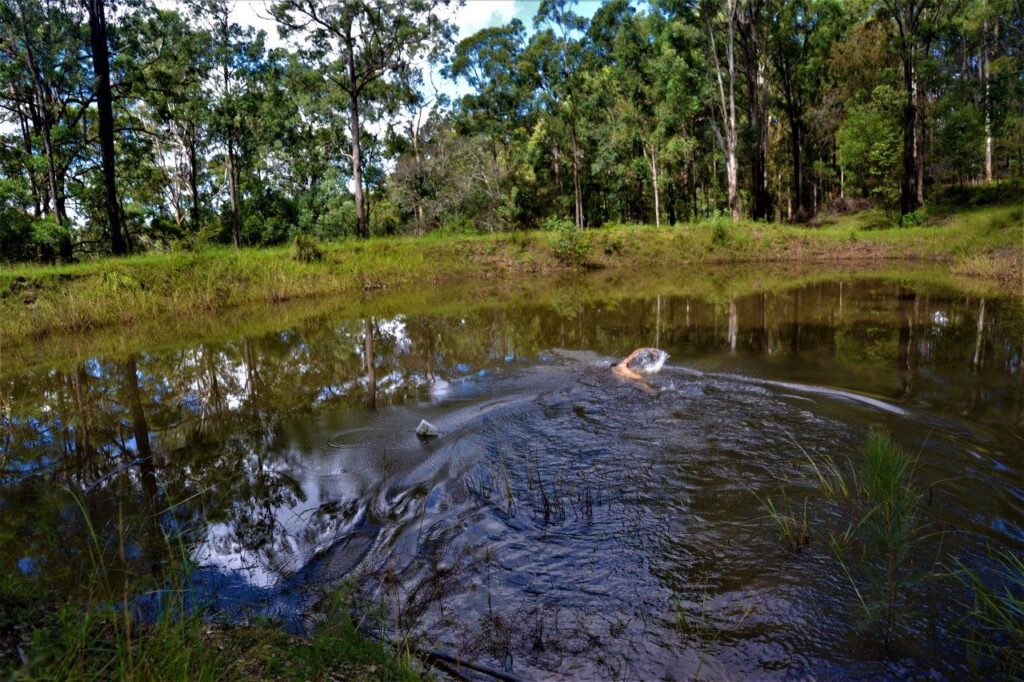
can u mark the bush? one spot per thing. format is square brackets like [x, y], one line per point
[612, 245]
[720, 234]
[307, 249]
[914, 218]
[457, 224]
[384, 218]
[570, 243]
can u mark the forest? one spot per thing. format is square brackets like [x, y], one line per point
[131, 126]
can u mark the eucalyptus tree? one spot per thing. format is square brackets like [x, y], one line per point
[913, 25]
[558, 54]
[236, 53]
[723, 19]
[752, 29]
[489, 62]
[358, 45]
[46, 95]
[800, 43]
[99, 46]
[175, 62]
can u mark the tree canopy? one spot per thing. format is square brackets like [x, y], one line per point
[126, 126]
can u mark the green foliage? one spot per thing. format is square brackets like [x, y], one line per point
[307, 249]
[875, 550]
[337, 221]
[721, 234]
[384, 219]
[457, 225]
[870, 147]
[570, 244]
[914, 218]
[960, 139]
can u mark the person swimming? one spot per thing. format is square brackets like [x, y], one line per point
[640, 362]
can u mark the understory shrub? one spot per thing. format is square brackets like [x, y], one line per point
[307, 249]
[570, 243]
[720, 234]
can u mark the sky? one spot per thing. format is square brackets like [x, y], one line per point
[469, 18]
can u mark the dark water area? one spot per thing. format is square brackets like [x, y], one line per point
[567, 522]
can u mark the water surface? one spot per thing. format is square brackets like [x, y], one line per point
[567, 522]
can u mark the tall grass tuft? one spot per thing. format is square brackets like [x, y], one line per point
[996, 615]
[307, 249]
[794, 528]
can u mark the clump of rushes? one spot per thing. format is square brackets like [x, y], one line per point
[793, 526]
[307, 249]
[996, 614]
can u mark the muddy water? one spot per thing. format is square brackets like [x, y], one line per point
[567, 523]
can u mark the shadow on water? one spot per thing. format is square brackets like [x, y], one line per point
[567, 522]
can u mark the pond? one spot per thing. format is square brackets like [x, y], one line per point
[566, 522]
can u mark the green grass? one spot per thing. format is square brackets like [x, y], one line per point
[79, 643]
[794, 528]
[996, 614]
[39, 301]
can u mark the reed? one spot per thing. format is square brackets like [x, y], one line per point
[793, 526]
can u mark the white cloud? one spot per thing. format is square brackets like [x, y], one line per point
[479, 14]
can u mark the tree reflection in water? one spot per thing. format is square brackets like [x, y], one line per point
[256, 449]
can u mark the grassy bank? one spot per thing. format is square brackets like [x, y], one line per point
[85, 641]
[563, 290]
[980, 244]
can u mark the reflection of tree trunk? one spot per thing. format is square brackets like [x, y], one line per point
[657, 323]
[733, 325]
[981, 331]
[763, 344]
[147, 470]
[371, 374]
[252, 372]
[795, 341]
[86, 451]
[907, 352]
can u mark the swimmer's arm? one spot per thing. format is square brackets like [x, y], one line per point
[622, 369]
